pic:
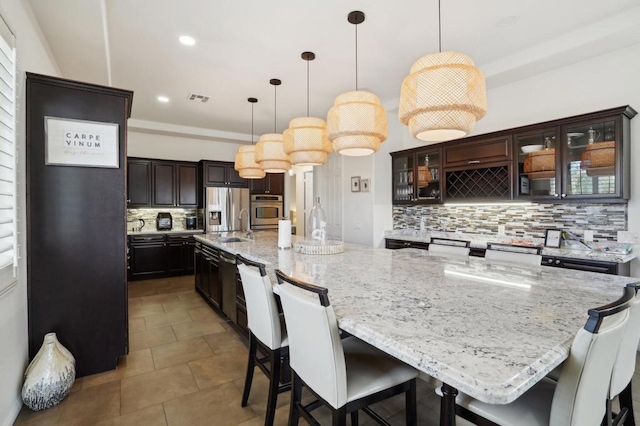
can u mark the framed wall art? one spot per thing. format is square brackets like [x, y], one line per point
[80, 143]
[355, 184]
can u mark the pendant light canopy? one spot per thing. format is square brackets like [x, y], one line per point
[270, 153]
[443, 96]
[245, 162]
[357, 123]
[305, 141]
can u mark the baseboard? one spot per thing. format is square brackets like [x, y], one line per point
[13, 415]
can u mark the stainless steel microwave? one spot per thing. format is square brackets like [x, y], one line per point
[266, 211]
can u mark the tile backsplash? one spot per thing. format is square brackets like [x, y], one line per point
[149, 217]
[522, 220]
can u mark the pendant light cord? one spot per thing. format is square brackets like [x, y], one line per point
[275, 108]
[439, 29]
[308, 88]
[357, 55]
[251, 123]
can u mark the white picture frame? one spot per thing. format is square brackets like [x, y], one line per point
[355, 183]
[365, 185]
[553, 238]
[81, 143]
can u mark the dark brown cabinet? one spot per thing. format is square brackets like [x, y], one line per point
[416, 177]
[272, 183]
[219, 173]
[138, 183]
[164, 184]
[159, 183]
[207, 274]
[153, 256]
[581, 158]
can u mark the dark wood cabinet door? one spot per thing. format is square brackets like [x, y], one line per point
[259, 186]
[175, 257]
[276, 183]
[138, 183]
[478, 152]
[164, 186]
[189, 256]
[187, 185]
[148, 259]
[234, 179]
[215, 174]
[214, 283]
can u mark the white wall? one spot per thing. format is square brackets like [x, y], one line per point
[33, 56]
[166, 147]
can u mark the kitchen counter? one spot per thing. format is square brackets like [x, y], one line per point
[491, 331]
[480, 242]
[173, 231]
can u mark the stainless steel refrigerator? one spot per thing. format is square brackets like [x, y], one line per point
[223, 207]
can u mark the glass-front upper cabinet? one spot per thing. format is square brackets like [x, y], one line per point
[403, 179]
[537, 159]
[416, 177]
[591, 159]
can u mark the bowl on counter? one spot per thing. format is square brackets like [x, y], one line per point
[531, 148]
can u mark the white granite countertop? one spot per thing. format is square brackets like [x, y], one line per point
[490, 331]
[173, 231]
[480, 242]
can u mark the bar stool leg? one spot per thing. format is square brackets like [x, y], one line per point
[274, 381]
[448, 405]
[626, 400]
[340, 416]
[411, 404]
[296, 398]
[251, 364]
[354, 418]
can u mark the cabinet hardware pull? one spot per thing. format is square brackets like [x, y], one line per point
[474, 162]
[557, 262]
[563, 195]
[555, 195]
[128, 200]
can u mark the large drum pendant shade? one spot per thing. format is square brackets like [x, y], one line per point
[442, 97]
[357, 123]
[246, 165]
[270, 154]
[305, 141]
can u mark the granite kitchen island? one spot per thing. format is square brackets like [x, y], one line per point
[491, 331]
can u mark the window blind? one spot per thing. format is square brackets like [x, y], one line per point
[8, 242]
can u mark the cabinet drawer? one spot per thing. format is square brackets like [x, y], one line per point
[400, 244]
[479, 152]
[147, 238]
[181, 238]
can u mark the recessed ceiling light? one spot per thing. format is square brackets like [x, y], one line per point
[163, 99]
[507, 21]
[187, 41]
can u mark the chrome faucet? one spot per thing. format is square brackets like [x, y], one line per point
[249, 231]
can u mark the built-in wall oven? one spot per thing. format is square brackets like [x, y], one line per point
[266, 211]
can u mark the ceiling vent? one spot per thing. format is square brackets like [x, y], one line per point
[196, 97]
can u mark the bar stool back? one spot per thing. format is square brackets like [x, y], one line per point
[264, 326]
[346, 375]
[510, 253]
[448, 246]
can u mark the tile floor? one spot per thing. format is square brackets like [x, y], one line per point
[186, 367]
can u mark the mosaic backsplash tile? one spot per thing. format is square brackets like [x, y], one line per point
[149, 216]
[526, 220]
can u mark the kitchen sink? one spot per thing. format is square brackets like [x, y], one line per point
[231, 240]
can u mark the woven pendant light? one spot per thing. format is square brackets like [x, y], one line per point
[305, 141]
[443, 96]
[245, 162]
[357, 123]
[270, 153]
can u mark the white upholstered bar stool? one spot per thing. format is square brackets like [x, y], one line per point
[447, 246]
[264, 326]
[625, 367]
[513, 254]
[346, 375]
[578, 398]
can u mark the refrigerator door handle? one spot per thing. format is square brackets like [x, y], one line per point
[229, 204]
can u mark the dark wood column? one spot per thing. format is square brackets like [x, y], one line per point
[76, 229]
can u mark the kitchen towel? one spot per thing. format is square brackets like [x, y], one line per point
[284, 234]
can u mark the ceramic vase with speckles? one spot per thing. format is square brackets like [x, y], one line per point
[50, 375]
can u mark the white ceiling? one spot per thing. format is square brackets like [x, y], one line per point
[241, 44]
